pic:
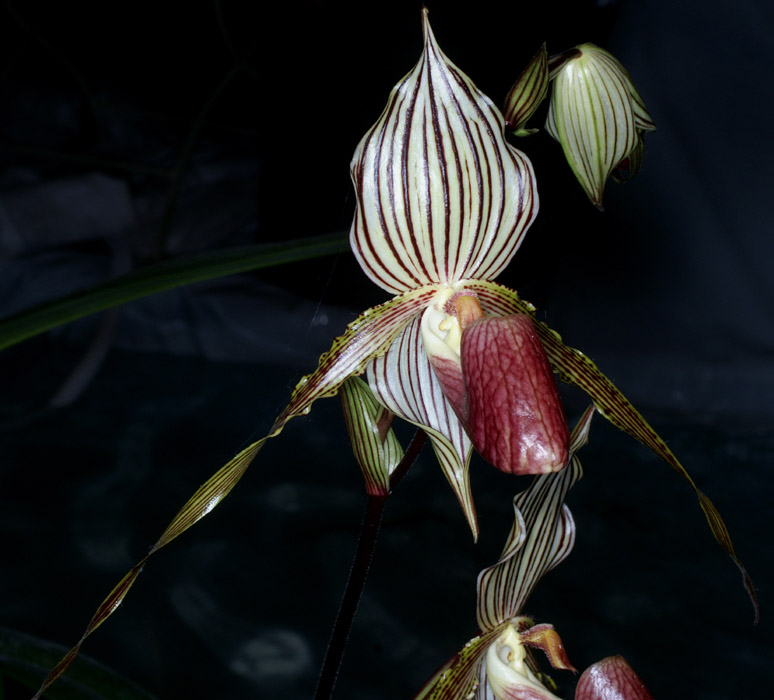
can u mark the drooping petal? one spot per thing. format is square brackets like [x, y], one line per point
[575, 368]
[440, 194]
[515, 416]
[404, 382]
[376, 447]
[611, 679]
[365, 338]
[543, 534]
[541, 539]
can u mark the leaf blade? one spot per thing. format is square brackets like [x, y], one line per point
[161, 277]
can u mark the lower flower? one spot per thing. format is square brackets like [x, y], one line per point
[506, 669]
[506, 675]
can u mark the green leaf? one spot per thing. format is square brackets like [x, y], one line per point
[25, 658]
[160, 277]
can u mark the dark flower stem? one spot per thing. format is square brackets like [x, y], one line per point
[369, 531]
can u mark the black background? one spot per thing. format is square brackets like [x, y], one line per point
[132, 132]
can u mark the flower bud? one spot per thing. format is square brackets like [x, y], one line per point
[374, 443]
[597, 116]
[527, 93]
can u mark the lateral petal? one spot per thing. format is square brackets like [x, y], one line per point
[575, 368]
[367, 337]
[404, 382]
[460, 676]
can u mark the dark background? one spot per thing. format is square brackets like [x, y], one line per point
[133, 132]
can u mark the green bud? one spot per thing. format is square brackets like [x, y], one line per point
[527, 93]
[375, 445]
[598, 117]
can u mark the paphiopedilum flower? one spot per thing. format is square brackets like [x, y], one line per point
[498, 664]
[443, 203]
[597, 116]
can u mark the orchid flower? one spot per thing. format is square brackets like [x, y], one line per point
[498, 663]
[443, 203]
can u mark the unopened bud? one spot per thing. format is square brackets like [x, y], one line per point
[597, 116]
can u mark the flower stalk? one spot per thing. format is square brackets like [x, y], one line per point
[361, 564]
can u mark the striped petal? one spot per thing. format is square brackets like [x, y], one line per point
[596, 114]
[543, 534]
[404, 382]
[527, 93]
[631, 165]
[495, 665]
[460, 677]
[575, 368]
[440, 194]
[367, 337]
